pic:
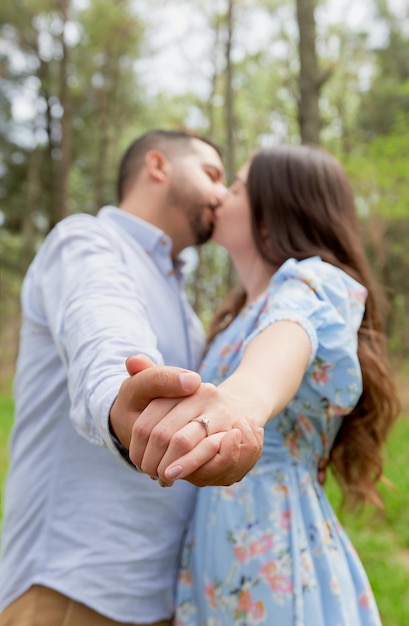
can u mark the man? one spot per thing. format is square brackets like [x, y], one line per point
[87, 540]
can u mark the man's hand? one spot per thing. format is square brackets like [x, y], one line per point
[136, 392]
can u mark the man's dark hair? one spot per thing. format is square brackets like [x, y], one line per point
[170, 142]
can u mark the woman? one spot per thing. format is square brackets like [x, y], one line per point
[269, 550]
[300, 348]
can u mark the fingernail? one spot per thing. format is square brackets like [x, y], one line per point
[162, 483]
[189, 381]
[134, 355]
[173, 472]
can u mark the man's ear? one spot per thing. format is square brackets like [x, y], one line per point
[157, 164]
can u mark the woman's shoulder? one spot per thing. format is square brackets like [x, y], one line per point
[324, 278]
[314, 280]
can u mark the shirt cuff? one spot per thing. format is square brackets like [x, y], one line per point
[122, 450]
[100, 404]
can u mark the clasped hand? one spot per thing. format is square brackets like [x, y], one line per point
[163, 440]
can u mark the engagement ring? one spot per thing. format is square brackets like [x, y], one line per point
[204, 421]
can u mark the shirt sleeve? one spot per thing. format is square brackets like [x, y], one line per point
[329, 305]
[96, 316]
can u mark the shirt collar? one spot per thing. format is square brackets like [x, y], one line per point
[150, 237]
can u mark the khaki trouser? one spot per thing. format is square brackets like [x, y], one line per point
[41, 606]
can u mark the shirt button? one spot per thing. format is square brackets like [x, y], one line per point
[171, 272]
[163, 242]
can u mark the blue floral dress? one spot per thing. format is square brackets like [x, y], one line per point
[269, 549]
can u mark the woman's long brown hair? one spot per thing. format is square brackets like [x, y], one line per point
[302, 205]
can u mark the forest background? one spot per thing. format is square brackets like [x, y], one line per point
[79, 79]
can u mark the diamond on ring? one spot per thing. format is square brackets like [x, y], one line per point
[204, 421]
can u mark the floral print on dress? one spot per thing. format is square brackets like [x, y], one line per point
[321, 371]
[269, 550]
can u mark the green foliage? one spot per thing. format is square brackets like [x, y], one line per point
[388, 96]
[102, 45]
[390, 159]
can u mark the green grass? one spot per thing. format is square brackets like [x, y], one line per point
[6, 416]
[382, 543]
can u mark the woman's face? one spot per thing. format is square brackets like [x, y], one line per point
[233, 222]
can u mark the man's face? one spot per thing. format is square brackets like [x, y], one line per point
[196, 189]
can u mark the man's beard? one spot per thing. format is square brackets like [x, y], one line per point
[202, 231]
[194, 205]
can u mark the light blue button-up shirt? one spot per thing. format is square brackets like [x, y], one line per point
[76, 518]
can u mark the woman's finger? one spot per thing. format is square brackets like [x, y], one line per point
[207, 455]
[142, 432]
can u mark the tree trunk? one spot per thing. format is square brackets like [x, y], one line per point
[27, 226]
[215, 76]
[309, 80]
[230, 160]
[65, 139]
[230, 165]
[102, 156]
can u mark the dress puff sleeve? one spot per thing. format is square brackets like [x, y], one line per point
[329, 304]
